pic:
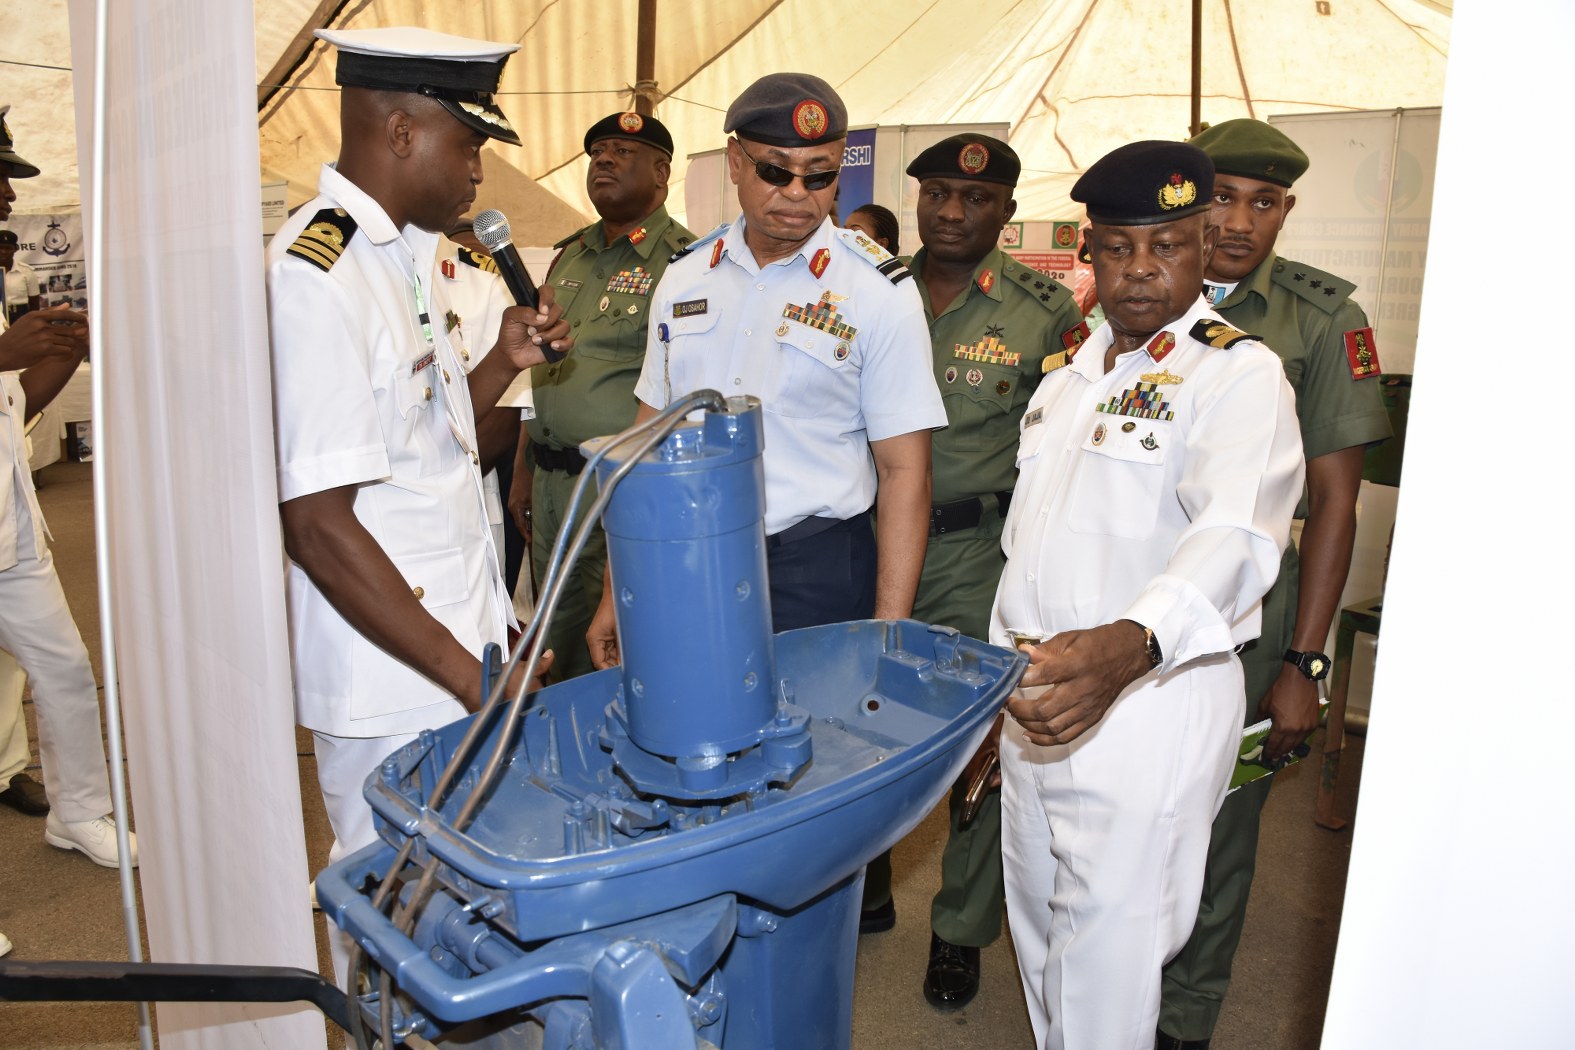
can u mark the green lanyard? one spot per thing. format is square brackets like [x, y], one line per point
[421, 312]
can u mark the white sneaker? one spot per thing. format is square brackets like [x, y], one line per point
[95, 837]
[5, 944]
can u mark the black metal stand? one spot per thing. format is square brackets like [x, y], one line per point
[118, 982]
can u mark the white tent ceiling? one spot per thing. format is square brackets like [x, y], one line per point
[1073, 77]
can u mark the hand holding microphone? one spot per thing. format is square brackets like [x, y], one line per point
[492, 230]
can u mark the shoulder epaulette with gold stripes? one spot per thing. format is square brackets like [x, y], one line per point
[324, 239]
[480, 260]
[1218, 334]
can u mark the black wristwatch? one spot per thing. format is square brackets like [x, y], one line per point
[1314, 665]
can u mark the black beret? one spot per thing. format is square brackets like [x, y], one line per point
[635, 126]
[1254, 150]
[1147, 182]
[788, 110]
[968, 156]
[459, 73]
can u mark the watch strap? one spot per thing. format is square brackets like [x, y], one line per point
[1313, 665]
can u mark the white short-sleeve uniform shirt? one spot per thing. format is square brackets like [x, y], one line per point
[837, 352]
[368, 393]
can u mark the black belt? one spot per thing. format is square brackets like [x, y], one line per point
[803, 530]
[963, 514]
[567, 460]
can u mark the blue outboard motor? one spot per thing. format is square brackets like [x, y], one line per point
[670, 853]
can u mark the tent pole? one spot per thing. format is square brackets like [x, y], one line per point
[1197, 67]
[98, 236]
[645, 59]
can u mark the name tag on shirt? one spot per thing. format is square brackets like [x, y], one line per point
[690, 308]
[426, 362]
[1034, 418]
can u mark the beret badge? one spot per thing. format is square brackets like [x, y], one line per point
[1177, 192]
[809, 119]
[631, 122]
[973, 158]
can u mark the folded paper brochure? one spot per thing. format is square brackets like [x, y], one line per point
[1250, 763]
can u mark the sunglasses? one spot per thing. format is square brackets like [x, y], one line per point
[779, 176]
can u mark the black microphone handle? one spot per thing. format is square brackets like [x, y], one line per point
[520, 286]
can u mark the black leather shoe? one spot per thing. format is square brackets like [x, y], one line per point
[952, 979]
[26, 795]
[878, 919]
[1170, 1042]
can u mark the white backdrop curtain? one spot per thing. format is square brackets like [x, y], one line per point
[1458, 912]
[193, 539]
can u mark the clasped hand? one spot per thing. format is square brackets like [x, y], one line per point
[1086, 671]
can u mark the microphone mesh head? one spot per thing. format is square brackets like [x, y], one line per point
[492, 229]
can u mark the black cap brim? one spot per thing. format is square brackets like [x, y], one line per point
[486, 118]
[20, 169]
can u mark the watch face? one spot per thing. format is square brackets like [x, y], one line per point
[1317, 666]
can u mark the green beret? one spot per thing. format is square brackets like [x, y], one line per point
[1253, 150]
[968, 156]
[788, 110]
[635, 126]
[1143, 183]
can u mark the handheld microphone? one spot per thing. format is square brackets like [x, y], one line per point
[492, 230]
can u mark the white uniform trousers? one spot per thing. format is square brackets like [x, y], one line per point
[343, 764]
[1103, 843]
[14, 752]
[36, 627]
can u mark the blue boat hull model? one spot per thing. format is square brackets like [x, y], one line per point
[668, 854]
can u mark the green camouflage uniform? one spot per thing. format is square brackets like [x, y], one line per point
[990, 348]
[605, 291]
[1302, 314]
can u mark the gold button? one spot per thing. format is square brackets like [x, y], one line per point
[465, 354]
[474, 458]
[445, 375]
[428, 394]
[419, 592]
